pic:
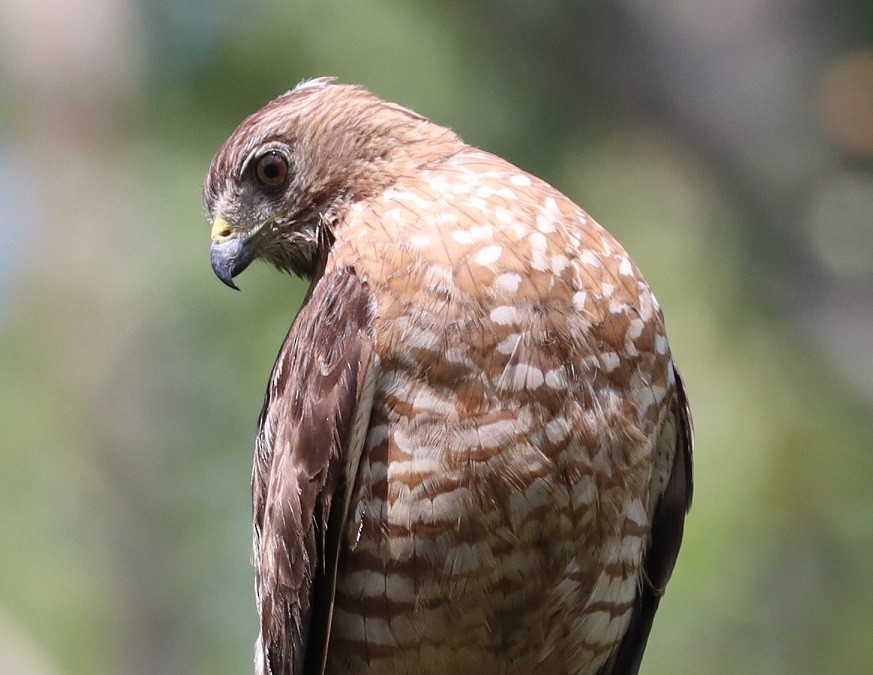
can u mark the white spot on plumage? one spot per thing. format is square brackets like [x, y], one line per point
[588, 257]
[409, 443]
[609, 361]
[377, 435]
[634, 329]
[395, 214]
[556, 378]
[546, 226]
[557, 430]
[548, 217]
[324, 366]
[426, 401]
[370, 584]
[525, 376]
[311, 83]
[473, 235]
[506, 193]
[439, 278]
[520, 180]
[465, 558]
[539, 261]
[538, 242]
[442, 507]
[536, 495]
[408, 471]
[444, 220]
[418, 243]
[458, 355]
[497, 434]
[584, 491]
[418, 338]
[505, 315]
[552, 206]
[488, 255]
[637, 514]
[479, 204]
[546, 223]
[509, 344]
[508, 282]
[378, 632]
[504, 216]
[560, 262]
[645, 305]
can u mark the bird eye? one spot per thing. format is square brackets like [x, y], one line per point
[272, 170]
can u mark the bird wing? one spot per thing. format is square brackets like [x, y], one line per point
[309, 440]
[665, 539]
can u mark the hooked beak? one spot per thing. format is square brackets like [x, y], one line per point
[230, 254]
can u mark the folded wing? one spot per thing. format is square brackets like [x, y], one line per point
[310, 434]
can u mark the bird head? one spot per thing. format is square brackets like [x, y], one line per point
[281, 184]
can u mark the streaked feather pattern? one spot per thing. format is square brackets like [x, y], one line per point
[298, 484]
[475, 449]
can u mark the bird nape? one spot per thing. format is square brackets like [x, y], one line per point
[475, 450]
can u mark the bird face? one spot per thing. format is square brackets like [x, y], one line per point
[263, 195]
[252, 209]
[282, 183]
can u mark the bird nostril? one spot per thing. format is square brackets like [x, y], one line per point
[221, 230]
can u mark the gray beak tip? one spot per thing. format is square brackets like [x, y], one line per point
[229, 258]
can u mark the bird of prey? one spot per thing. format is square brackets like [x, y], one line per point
[474, 454]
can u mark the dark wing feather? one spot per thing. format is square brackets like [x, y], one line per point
[665, 539]
[298, 484]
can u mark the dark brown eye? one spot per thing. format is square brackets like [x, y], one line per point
[272, 170]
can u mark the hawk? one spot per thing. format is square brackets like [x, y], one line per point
[474, 454]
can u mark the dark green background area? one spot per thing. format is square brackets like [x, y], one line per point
[131, 379]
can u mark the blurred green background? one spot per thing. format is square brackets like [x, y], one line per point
[728, 145]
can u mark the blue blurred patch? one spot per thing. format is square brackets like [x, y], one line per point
[184, 34]
[17, 218]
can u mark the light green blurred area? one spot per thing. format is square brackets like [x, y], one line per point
[131, 379]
